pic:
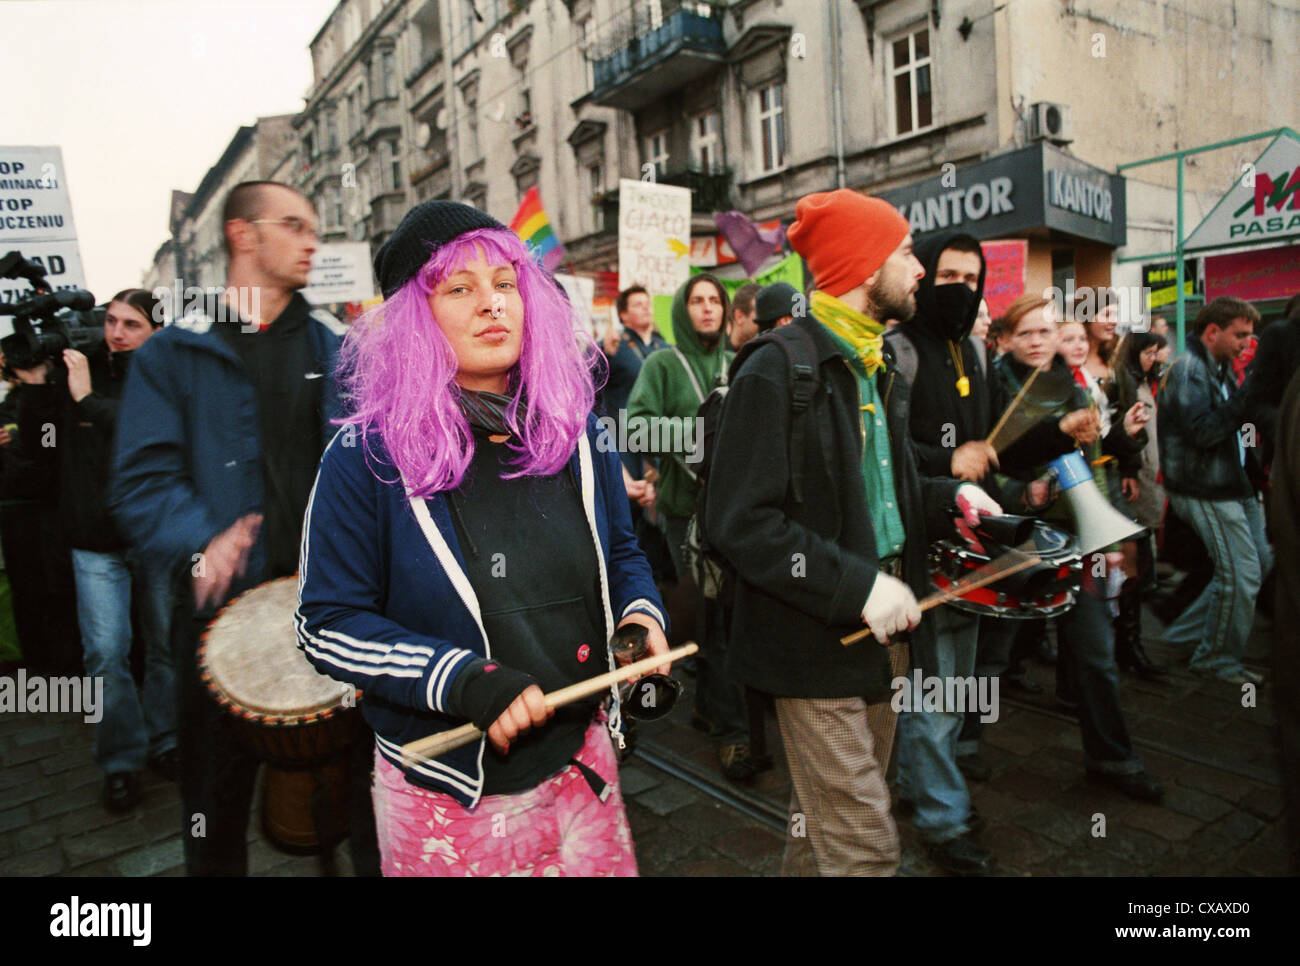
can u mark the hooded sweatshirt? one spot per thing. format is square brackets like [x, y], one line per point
[664, 390]
[941, 418]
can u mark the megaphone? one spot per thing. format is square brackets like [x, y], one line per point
[1098, 523]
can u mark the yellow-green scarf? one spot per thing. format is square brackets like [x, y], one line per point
[863, 333]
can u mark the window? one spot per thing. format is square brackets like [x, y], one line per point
[911, 87]
[393, 169]
[706, 145]
[309, 145]
[388, 66]
[656, 152]
[331, 131]
[469, 16]
[470, 95]
[595, 188]
[588, 51]
[351, 25]
[333, 207]
[771, 126]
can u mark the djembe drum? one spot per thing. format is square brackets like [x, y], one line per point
[296, 720]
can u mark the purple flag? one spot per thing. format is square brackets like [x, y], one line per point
[751, 244]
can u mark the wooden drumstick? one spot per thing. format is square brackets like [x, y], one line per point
[443, 742]
[1014, 403]
[959, 589]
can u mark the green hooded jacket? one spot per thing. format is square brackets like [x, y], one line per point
[662, 408]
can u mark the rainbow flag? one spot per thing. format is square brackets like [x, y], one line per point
[534, 227]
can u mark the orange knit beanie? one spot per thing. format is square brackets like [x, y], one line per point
[845, 236]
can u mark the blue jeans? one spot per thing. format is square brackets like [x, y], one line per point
[1217, 624]
[1086, 658]
[928, 776]
[129, 732]
[992, 658]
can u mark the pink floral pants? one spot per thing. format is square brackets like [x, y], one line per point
[559, 828]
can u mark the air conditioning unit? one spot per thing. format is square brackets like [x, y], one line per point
[1049, 121]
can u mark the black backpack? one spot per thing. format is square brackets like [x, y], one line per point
[713, 573]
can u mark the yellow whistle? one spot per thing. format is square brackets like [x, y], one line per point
[963, 387]
[870, 407]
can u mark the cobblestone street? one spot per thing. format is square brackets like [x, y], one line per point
[1221, 814]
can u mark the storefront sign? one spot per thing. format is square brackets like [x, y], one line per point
[1262, 205]
[1160, 281]
[709, 251]
[1035, 187]
[1004, 273]
[1273, 273]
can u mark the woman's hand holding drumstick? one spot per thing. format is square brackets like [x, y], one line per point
[440, 744]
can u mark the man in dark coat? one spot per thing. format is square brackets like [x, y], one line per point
[80, 399]
[848, 545]
[220, 430]
[1284, 524]
[1277, 357]
[949, 415]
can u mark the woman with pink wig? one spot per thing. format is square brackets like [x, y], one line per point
[468, 547]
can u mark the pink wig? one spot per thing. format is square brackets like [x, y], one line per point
[399, 371]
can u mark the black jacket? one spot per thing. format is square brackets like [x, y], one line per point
[81, 459]
[805, 570]
[931, 342]
[1277, 357]
[1199, 450]
[23, 476]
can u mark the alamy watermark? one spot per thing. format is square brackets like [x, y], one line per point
[181, 300]
[668, 435]
[35, 694]
[1085, 303]
[952, 694]
[75, 919]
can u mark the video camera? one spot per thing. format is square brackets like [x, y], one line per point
[55, 313]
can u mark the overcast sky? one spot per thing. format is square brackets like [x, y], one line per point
[143, 96]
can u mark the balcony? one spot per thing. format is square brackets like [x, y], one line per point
[651, 62]
[383, 116]
[386, 210]
[710, 190]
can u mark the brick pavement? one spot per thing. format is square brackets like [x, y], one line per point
[1221, 814]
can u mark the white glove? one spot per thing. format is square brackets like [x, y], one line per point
[974, 503]
[891, 608]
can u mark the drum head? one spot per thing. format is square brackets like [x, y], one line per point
[251, 657]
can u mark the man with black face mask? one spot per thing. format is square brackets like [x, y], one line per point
[949, 412]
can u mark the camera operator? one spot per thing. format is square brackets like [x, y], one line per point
[35, 557]
[77, 405]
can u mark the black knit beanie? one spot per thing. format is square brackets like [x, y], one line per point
[426, 228]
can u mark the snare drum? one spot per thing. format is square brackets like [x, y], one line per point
[300, 722]
[1044, 590]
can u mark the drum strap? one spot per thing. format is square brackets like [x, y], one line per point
[599, 787]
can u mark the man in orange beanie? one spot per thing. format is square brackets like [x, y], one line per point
[829, 529]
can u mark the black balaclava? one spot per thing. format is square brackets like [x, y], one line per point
[946, 311]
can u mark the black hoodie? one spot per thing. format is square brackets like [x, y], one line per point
[940, 417]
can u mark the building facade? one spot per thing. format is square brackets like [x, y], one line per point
[253, 154]
[754, 103]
